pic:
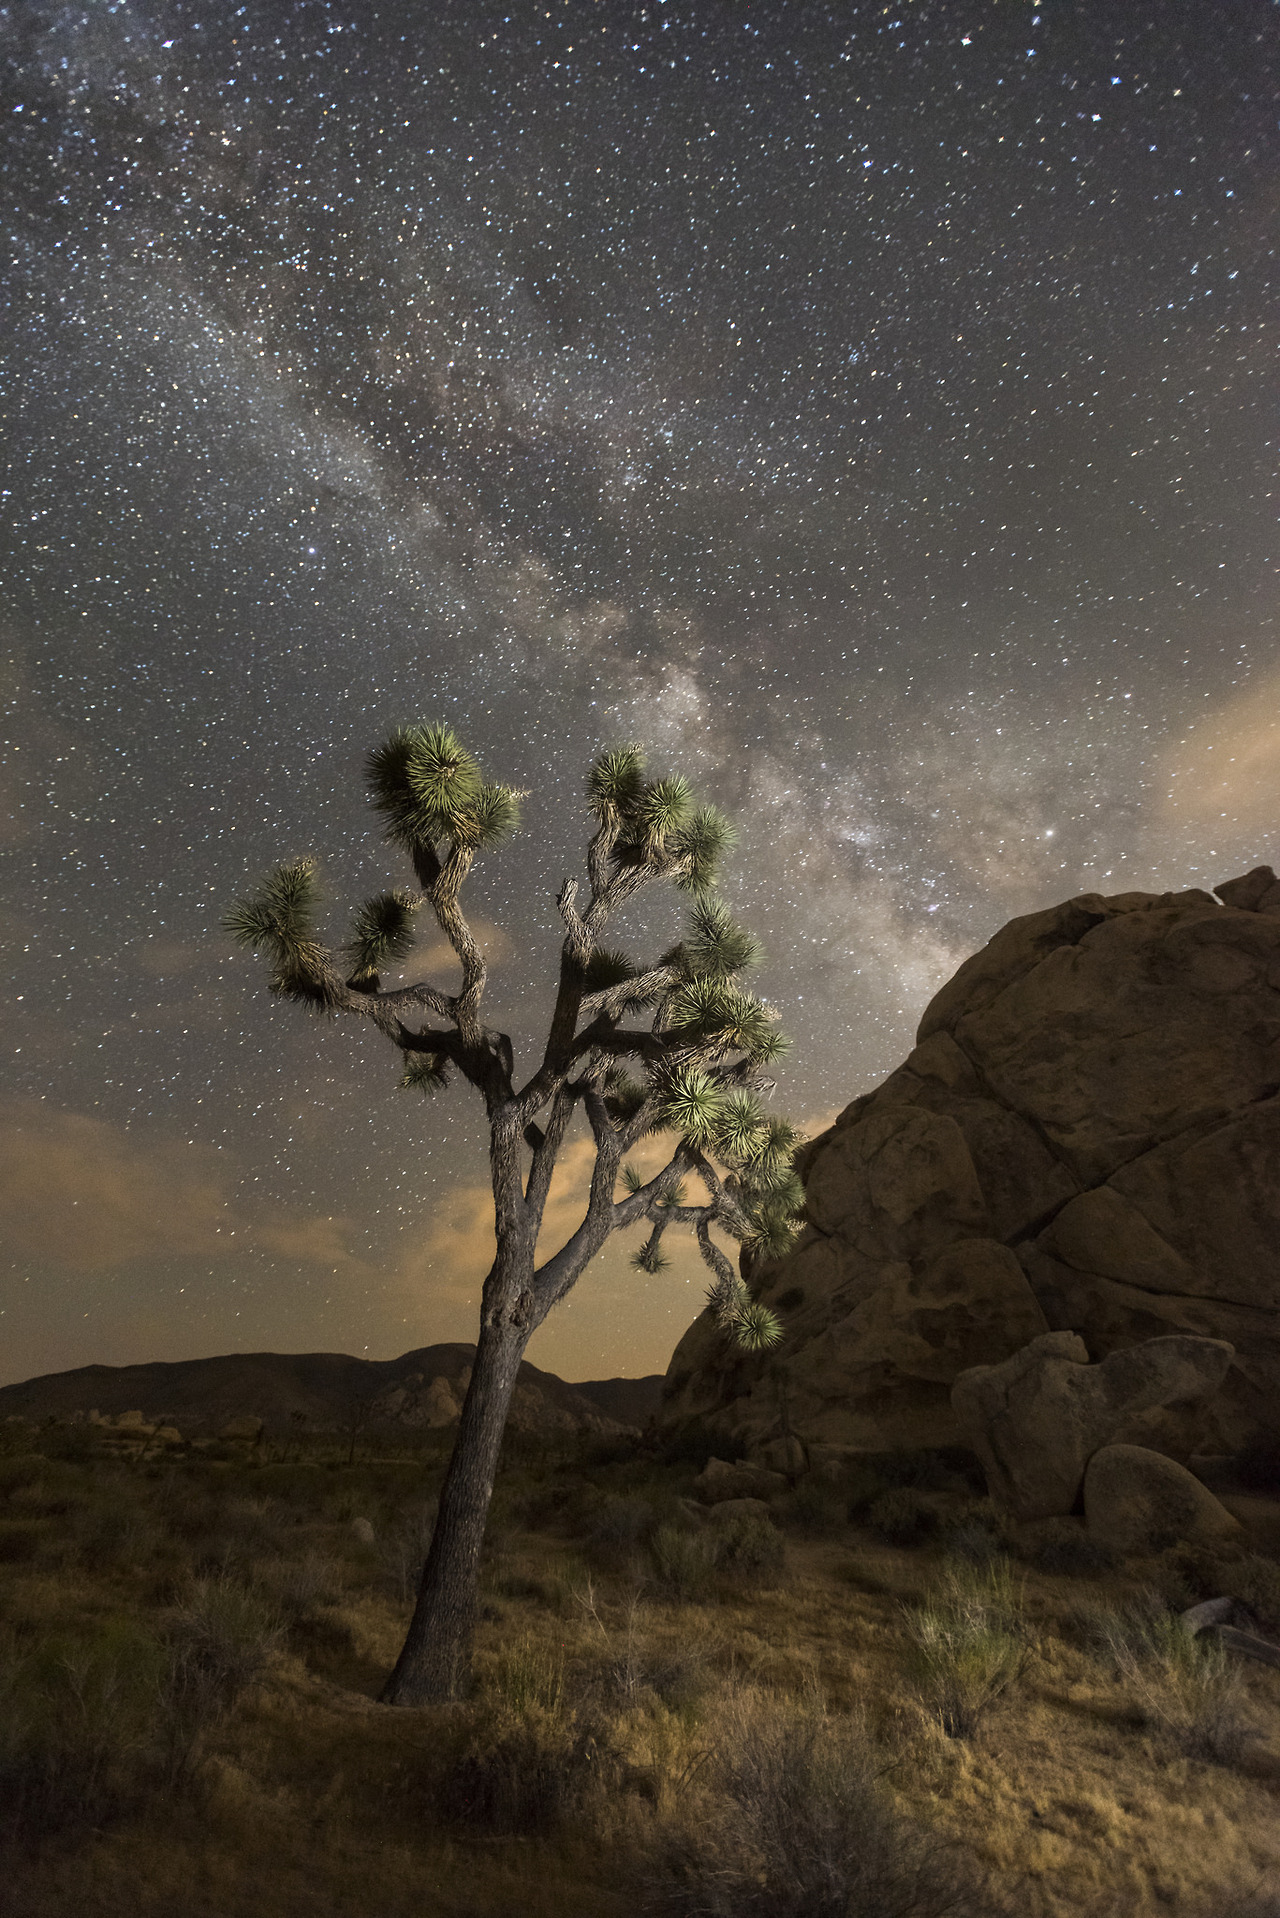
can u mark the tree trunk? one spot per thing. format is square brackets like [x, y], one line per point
[435, 1661]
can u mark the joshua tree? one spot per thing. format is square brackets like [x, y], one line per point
[675, 1047]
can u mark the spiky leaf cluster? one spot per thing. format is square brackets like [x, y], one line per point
[382, 931]
[615, 785]
[656, 821]
[702, 843]
[716, 947]
[750, 1324]
[605, 968]
[624, 1094]
[650, 1258]
[422, 780]
[691, 1103]
[429, 788]
[278, 919]
[715, 1016]
[423, 1072]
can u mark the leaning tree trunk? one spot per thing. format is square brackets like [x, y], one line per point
[435, 1661]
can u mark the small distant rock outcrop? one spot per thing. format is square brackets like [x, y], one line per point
[1086, 1139]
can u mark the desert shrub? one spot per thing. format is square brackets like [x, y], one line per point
[1185, 1683]
[403, 1550]
[525, 1763]
[222, 1639]
[684, 1561]
[76, 1730]
[747, 1546]
[1069, 1551]
[57, 1441]
[522, 1774]
[967, 1645]
[113, 1533]
[902, 1516]
[529, 1676]
[620, 1521]
[297, 1586]
[1256, 1580]
[795, 1826]
[815, 1507]
[978, 1532]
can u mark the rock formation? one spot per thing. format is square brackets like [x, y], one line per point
[1086, 1138]
[1139, 1502]
[1036, 1420]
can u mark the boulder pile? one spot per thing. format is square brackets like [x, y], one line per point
[1085, 1141]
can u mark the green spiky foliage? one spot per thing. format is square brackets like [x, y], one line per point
[634, 1181]
[691, 1102]
[490, 818]
[279, 919]
[650, 1257]
[381, 932]
[703, 842]
[715, 1015]
[624, 1095]
[605, 969]
[423, 1072]
[615, 785]
[716, 948]
[755, 1327]
[740, 1129]
[425, 782]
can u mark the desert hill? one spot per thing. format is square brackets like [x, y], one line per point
[326, 1389]
[1086, 1138]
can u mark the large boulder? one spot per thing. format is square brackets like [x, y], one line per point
[1139, 1502]
[1086, 1138]
[1037, 1418]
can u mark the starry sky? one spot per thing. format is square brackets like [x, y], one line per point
[870, 409]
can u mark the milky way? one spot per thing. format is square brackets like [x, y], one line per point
[870, 409]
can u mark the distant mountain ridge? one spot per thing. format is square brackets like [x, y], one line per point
[326, 1389]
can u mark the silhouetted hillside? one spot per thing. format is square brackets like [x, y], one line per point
[424, 1387]
[630, 1401]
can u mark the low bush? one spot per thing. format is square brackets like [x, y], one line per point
[1068, 1551]
[747, 1546]
[77, 1724]
[1256, 1581]
[968, 1645]
[815, 1508]
[1185, 1683]
[902, 1516]
[683, 1561]
[620, 1523]
[795, 1826]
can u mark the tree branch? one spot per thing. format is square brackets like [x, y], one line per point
[546, 1150]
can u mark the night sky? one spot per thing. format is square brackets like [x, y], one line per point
[870, 409]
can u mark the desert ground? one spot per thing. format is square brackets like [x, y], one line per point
[869, 1700]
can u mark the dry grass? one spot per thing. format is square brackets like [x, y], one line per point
[665, 1718]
